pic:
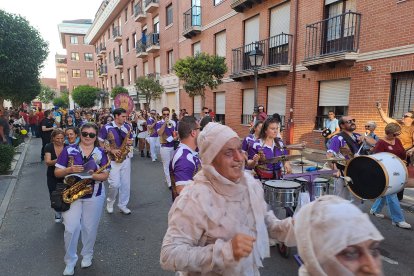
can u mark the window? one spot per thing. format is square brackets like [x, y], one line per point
[276, 101]
[111, 83]
[62, 70]
[63, 88]
[127, 45]
[110, 58]
[197, 106]
[402, 94]
[89, 74]
[109, 33]
[122, 78]
[248, 106]
[88, 57]
[146, 68]
[62, 78]
[116, 80]
[220, 106]
[135, 72]
[75, 56]
[170, 61]
[216, 2]
[73, 39]
[169, 20]
[333, 96]
[132, 7]
[196, 48]
[76, 73]
[113, 54]
[129, 76]
[156, 26]
[126, 14]
[74, 87]
[134, 40]
[157, 62]
[220, 39]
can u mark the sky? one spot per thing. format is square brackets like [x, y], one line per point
[45, 15]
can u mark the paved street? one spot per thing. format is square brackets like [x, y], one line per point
[32, 244]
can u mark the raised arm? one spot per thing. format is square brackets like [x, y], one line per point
[384, 116]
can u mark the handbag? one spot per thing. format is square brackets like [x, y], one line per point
[56, 200]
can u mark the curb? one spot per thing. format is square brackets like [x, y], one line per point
[6, 200]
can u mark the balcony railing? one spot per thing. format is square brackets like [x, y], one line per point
[153, 42]
[192, 22]
[139, 12]
[338, 34]
[277, 50]
[102, 70]
[119, 62]
[62, 60]
[151, 5]
[141, 49]
[220, 118]
[102, 48]
[241, 5]
[116, 33]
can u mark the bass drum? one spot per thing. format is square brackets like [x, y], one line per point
[376, 175]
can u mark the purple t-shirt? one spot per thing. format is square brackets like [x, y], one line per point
[75, 153]
[338, 142]
[185, 164]
[247, 145]
[150, 121]
[168, 133]
[270, 152]
[119, 133]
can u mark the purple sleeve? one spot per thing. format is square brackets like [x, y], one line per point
[104, 159]
[183, 170]
[103, 133]
[334, 145]
[245, 144]
[63, 159]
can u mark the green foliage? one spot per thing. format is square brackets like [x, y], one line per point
[200, 72]
[85, 95]
[22, 53]
[118, 90]
[150, 88]
[6, 157]
[62, 101]
[46, 94]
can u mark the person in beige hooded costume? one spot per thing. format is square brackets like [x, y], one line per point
[220, 225]
[335, 238]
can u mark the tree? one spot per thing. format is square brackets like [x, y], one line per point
[200, 72]
[62, 101]
[85, 95]
[150, 88]
[46, 94]
[22, 53]
[118, 90]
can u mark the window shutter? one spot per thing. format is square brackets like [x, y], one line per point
[197, 104]
[251, 30]
[156, 20]
[276, 100]
[145, 69]
[280, 19]
[157, 65]
[221, 44]
[220, 102]
[171, 100]
[248, 101]
[334, 93]
[196, 48]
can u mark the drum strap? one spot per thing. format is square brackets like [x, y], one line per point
[353, 146]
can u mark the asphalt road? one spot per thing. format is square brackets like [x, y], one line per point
[31, 243]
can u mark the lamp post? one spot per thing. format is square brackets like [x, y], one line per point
[256, 60]
[102, 95]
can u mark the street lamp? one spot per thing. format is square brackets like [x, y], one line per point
[256, 60]
[102, 95]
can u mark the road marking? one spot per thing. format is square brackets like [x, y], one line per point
[388, 260]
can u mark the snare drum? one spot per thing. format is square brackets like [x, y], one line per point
[281, 193]
[320, 187]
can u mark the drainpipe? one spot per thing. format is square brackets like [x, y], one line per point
[291, 124]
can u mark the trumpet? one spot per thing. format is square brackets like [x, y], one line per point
[169, 124]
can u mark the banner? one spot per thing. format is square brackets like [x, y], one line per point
[124, 101]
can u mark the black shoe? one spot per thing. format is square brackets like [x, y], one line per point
[142, 154]
[148, 154]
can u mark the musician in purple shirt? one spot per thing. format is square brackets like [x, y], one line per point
[185, 163]
[112, 136]
[251, 139]
[166, 129]
[153, 135]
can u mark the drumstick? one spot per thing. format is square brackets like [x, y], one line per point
[357, 154]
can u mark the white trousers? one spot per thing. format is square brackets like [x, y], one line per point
[166, 157]
[82, 217]
[120, 180]
[154, 147]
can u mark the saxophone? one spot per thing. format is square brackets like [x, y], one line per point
[80, 188]
[124, 148]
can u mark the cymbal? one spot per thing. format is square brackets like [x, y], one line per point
[281, 158]
[333, 159]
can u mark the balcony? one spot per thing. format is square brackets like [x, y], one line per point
[332, 41]
[139, 12]
[277, 52]
[141, 49]
[151, 5]
[153, 42]
[61, 61]
[116, 34]
[102, 71]
[241, 5]
[119, 63]
[192, 22]
[102, 49]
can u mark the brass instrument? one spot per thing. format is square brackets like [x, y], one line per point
[124, 148]
[80, 188]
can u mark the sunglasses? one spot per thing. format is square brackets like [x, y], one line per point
[90, 134]
[206, 113]
[350, 121]
[367, 126]
[165, 114]
[407, 116]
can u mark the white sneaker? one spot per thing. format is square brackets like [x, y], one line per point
[110, 206]
[69, 270]
[86, 262]
[124, 210]
[402, 224]
[376, 214]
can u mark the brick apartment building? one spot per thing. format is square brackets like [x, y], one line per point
[319, 55]
[78, 64]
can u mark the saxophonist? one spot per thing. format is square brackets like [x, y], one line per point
[166, 129]
[153, 135]
[85, 213]
[113, 136]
